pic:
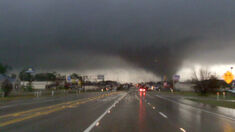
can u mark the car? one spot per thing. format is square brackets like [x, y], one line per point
[142, 89]
[232, 91]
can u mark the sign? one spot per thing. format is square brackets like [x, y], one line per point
[165, 84]
[165, 78]
[228, 77]
[30, 70]
[100, 77]
[68, 78]
[176, 78]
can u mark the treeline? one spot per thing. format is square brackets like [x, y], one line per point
[50, 76]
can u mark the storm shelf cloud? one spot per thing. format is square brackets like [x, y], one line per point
[155, 35]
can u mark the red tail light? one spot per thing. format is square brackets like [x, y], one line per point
[142, 90]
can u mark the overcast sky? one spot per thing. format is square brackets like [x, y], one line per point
[153, 37]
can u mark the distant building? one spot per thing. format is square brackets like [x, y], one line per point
[182, 86]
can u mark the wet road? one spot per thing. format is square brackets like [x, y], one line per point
[114, 111]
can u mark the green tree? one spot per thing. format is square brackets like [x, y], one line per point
[45, 77]
[205, 82]
[6, 87]
[75, 76]
[4, 68]
[13, 75]
[24, 76]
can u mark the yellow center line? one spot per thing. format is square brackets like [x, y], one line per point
[50, 109]
[38, 109]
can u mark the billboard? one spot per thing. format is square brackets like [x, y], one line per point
[176, 78]
[100, 77]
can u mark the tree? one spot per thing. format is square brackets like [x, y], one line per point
[4, 68]
[13, 75]
[45, 77]
[6, 87]
[24, 76]
[205, 81]
[75, 76]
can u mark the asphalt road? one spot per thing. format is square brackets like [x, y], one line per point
[113, 112]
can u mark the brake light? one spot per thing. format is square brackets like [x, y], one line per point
[142, 90]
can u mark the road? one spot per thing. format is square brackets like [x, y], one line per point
[127, 111]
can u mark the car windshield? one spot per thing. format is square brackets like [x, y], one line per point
[117, 65]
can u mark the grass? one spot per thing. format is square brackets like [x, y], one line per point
[216, 103]
[193, 94]
[44, 94]
[210, 98]
[11, 98]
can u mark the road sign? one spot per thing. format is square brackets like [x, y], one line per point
[165, 78]
[68, 78]
[100, 77]
[30, 70]
[228, 77]
[176, 78]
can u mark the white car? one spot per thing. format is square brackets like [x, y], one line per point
[232, 90]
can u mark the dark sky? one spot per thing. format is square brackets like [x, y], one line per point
[154, 35]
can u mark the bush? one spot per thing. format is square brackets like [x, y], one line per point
[205, 81]
[7, 88]
[60, 87]
[28, 87]
[205, 86]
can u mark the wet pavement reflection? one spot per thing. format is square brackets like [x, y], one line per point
[142, 112]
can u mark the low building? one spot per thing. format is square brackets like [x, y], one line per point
[182, 86]
[38, 85]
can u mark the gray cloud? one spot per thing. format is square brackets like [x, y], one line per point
[156, 35]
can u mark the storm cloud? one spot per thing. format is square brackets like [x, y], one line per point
[155, 35]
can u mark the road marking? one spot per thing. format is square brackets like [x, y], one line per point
[44, 110]
[163, 115]
[41, 108]
[51, 107]
[101, 116]
[196, 108]
[13, 105]
[182, 129]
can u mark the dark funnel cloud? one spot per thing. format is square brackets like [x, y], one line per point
[161, 60]
[154, 35]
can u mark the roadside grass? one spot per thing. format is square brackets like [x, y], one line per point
[11, 98]
[194, 94]
[210, 98]
[216, 103]
[30, 95]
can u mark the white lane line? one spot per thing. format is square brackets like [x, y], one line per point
[182, 129]
[196, 108]
[97, 121]
[163, 115]
[137, 97]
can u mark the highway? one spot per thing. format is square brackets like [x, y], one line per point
[124, 111]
